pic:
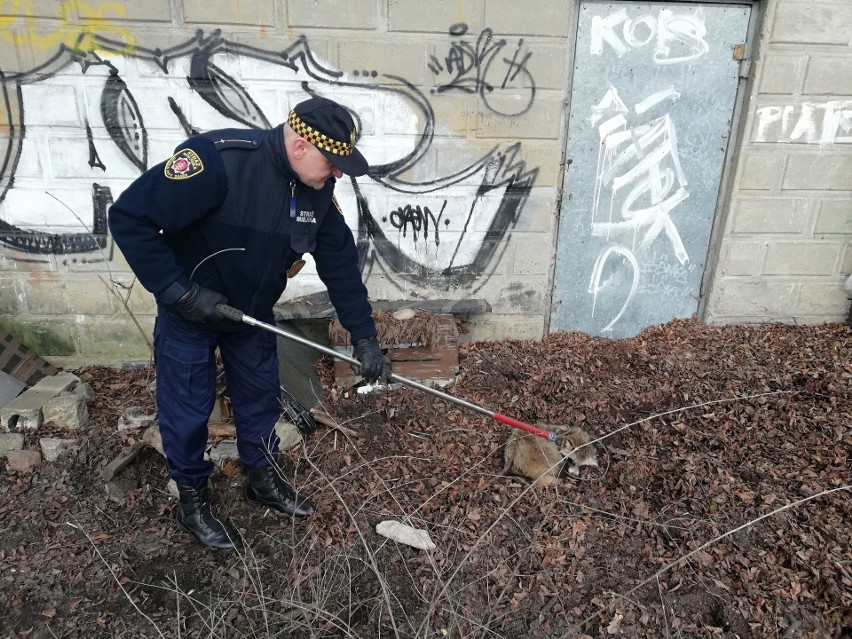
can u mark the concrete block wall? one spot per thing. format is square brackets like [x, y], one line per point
[464, 99]
[787, 242]
[463, 107]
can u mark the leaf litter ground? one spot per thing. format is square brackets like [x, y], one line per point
[721, 506]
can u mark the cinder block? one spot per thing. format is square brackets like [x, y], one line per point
[404, 15]
[818, 171]
[507, 116]
[801, 258]
[46, 296]
[812, 23]
[769, 215]
[116, 340]
[829, 75]
[88, 296]
[369, 60]
[825, 302]
[8, 296]
[530, 253]
[332, 14]
[58, 383]
[781, 73]
[739, 258]
[834, 217]
[224, 13]
[11, 441]
[533, 17]
[760, 171]
[503, 327]
[758, 298]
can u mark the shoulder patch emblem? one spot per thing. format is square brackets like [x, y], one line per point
[183, 164]
[336, 205]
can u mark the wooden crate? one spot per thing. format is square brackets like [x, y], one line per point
[436, 363]
[21, 363]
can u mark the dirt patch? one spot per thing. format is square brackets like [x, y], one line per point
[707, 517]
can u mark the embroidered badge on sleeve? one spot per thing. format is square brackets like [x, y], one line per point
[183, 164]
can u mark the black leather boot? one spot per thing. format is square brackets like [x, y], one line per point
[196, 518]
[267, 488]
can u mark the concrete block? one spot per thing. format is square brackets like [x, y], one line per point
[222, 451]
[513, 116]
[781, 73]
[35, 9]
[133, 417]
[846, 259]
[24, 412]
[534, 17]
[9, 304]
[829, 75]
[760, 171]
[58, 383]
[23, 461]
[818, 171]
[740, 258]
[149, 11]
[503, 326]
[404, 15]
[152, 438]
[53, 447]
[288, 433]
[769, 215]
[812, 23]
[225, 13]
[369, 60]
[801, 258]
[68, 411]
[332, 14]
[117, 339]
[46, 296]
[834, 217]
[88, 296]
[85, 389]
[11, 441]
[752, 297]
[825, 302]
[530, 255]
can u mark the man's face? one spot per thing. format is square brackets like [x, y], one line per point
[314, 169]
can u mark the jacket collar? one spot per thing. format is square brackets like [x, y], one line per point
[275, 139]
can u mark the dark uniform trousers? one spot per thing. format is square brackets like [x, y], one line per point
[186, 391]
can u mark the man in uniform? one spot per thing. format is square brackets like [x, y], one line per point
[227, 219]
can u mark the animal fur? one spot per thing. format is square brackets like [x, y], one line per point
[543, 461]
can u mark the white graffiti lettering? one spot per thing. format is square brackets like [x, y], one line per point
[639, 167]
[808, 123]
[680, 37]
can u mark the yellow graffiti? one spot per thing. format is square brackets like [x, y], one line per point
[20, 26]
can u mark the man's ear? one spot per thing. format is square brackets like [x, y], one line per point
[300, 147]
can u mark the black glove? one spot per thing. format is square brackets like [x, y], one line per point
[367, 351]
[199, 304]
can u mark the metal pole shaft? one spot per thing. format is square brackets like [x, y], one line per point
[246, 319]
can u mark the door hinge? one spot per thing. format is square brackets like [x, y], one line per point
[745, 69]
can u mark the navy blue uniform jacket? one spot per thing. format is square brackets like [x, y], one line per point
[218, 213]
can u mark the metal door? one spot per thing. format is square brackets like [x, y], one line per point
[652, 102]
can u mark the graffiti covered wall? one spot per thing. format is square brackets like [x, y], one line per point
[463, 111]
[447, 201]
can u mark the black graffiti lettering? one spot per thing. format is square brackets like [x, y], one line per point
[418, 220]
[471, 66]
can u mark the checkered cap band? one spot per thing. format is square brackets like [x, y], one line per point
[319, 140]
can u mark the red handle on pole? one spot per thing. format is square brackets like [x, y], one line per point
[538, 432]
